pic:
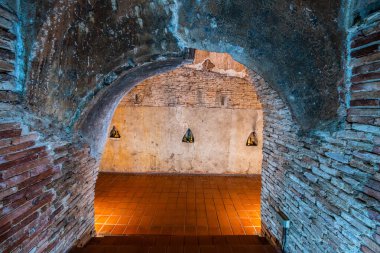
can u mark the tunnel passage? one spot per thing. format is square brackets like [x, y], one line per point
[211, 184]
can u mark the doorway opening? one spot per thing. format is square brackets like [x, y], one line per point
[151, 182]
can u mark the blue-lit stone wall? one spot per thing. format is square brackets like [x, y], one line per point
[328, 183]
[10, 52]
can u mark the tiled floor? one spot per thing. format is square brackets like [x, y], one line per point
[177, 205]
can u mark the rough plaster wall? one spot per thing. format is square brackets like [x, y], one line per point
[84, 45]
[152, 141]
[153, 117]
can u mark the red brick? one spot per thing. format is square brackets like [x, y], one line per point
[15, 242]
[31, 151]
[37, 203]
[8, 219]
[365, 95]
[365, 102]
[18, 140]
[375, 66]
[56, 212]
[15, 148]
[49, 247]
[28, 193]
[19, 226]
[365, 39]
[31, 181]
[61, 160]
[373, 86]
[365, 51]
[40, 169]
[30, 237]
[14, 201]
[21, 161]
[10, 182]
[10, 126]
[22, 212]
[10, 133]
[365, 77]
[61, 149]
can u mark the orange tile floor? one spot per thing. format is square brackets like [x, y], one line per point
[127, 204]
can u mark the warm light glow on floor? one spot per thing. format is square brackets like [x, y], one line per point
[177, 205]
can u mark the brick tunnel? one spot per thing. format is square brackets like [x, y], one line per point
[189, 126]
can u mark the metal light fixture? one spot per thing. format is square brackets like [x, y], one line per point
[114, 133]
[252, 139]
[188, 137]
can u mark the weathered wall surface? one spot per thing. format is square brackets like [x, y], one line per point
[294, 45]
[152, 118]
[84, 45]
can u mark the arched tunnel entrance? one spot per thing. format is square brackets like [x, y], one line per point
[276, 122]
[154, 180]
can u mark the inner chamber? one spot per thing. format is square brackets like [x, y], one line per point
[155, 179]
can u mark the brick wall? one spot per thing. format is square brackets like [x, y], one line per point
[7, 49]
[8, 41]
[46, 186]
[191, 88]
[328, 184]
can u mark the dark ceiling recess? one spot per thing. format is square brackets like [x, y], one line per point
[296, 46]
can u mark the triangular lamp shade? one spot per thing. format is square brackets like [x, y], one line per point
[252, 140]
[188, 137]
[114, 133]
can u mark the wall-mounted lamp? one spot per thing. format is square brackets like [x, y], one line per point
[188, 137]
[114, 133]
[252, 139]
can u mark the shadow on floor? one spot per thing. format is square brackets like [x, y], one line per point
[177, 244]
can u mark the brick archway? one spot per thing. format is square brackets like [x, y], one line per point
[98, 114]
[278, 123]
